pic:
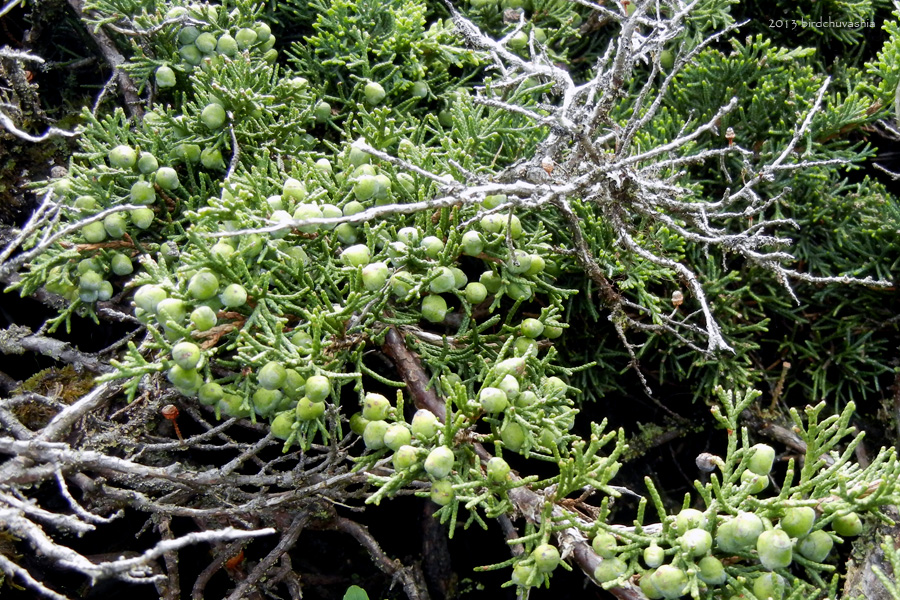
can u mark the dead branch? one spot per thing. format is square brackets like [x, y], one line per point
[221, 557]
[18, 339]
[114, 58]
[288, 539]
[414, 590]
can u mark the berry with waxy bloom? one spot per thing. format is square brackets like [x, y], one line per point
[374, 93]
[373, 436]
[142, 192]
[404, 457]
[440, 462]
[442, 492]
[653, 555]
[397, 436]
[186, 355]
[475, 292]
[798, 521]
[740, 533]
[203, 318]
[689, 518]
[210, 393]
[756, 482]
[848, 525]
[233, 296]
[123, 157]
[424, 424]
[272, 375]
[610, 569]
[355, 256]
[762, 460]
[546, 558]
[167, 178]
[318, 388]
[147, 163]
[375, 407]
[434, 308]
[307, 410]
[711, 570]
[606, 545]
[213, 116]
[816, 546]
[374, 276]
[774, 548]
[769, 586]
[498, 470]
[203, 285]
[670, 581]
[493, 400]
[524, 575]
[283, 425]
[513, 436]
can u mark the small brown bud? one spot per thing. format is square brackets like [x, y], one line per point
[548, 165]
[729, 135]
[170, 412]
[677, 298]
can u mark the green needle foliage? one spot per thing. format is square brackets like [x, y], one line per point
[518, 202]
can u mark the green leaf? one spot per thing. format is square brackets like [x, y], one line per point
[354, 592]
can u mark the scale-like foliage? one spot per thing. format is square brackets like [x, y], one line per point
[515, 215]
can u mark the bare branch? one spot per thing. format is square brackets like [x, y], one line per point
[288, 539]
[18, 339]
[15, 571]
[391, 567]
[10, 126]
[115, 59]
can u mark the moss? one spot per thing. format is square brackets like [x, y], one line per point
[64, 384]
[649, 436]
[8, 549]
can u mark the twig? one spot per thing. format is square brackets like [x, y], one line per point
[11, 423]
[781, 434]
[10, 126]
[47, 212]
[18, 339]
[172, 589]
[437, 563]
[288, 539]
[387, 565]
[7, 383]
[133, 102]
[15, 571]
[221, 557]
[63, 422]
[7, 8]
[779, 387]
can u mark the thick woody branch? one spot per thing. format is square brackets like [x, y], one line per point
[411, 371]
